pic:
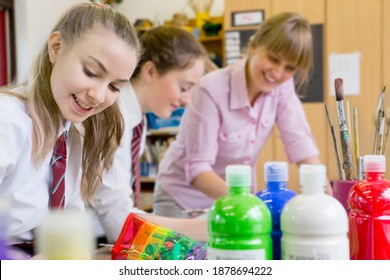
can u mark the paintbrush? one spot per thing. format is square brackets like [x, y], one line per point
[381, 134]
[378, 120]
[360, 169]
[344, 138]
[348, 116]
[387, 131]
[356, 151]
[336, 150]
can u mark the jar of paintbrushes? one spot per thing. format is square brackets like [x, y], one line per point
[349, 161]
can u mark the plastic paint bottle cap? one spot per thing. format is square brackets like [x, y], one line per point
[238, 175]
[312, 177]
[374, 163]
[276, 171]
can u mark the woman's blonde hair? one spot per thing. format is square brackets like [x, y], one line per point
[288, 35]
[104, 130]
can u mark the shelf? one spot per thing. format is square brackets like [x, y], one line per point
[213, 44]
[204, 39]
[148, 179]
[166, 131]
[146, 201]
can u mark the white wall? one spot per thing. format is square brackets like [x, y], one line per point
[35, 18]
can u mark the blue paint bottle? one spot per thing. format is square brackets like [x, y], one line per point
[275, 196]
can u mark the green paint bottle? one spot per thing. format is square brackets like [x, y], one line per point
[239, 224]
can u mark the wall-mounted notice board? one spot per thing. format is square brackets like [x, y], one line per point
[314, 92]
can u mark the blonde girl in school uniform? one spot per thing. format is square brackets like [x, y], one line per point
[232, 114]
[89, 57]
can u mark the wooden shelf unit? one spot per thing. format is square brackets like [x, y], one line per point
[213, 44]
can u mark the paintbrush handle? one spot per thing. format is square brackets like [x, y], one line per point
[386, 138]
[336, 153]
[380, 136]
[336, 150]
[376, 135]
[346, 152]
[341, 115]
[344, 142]
[360, 169]
[356, 151]
[380, 145]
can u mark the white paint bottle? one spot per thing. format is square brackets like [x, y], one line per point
[66, 235]
[314, 225]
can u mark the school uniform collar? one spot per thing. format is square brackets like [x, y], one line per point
[137, 106]
[64, 128]
[138, 110]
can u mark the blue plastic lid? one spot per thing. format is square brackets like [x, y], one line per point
[276, 171]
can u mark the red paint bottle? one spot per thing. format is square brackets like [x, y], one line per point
[369, 215]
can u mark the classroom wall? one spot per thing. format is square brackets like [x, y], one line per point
[34, 18]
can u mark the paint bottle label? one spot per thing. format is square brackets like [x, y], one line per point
[315, 248]
[224, 254]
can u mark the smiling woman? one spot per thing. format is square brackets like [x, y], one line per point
[76, 78]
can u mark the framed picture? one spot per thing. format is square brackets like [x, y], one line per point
[247, 18]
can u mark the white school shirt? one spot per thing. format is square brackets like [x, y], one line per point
[23, 184]
[113, 198]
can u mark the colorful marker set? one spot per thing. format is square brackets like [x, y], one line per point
[143, 240]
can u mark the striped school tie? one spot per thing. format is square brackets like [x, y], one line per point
[58, 162]
[135, 154]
